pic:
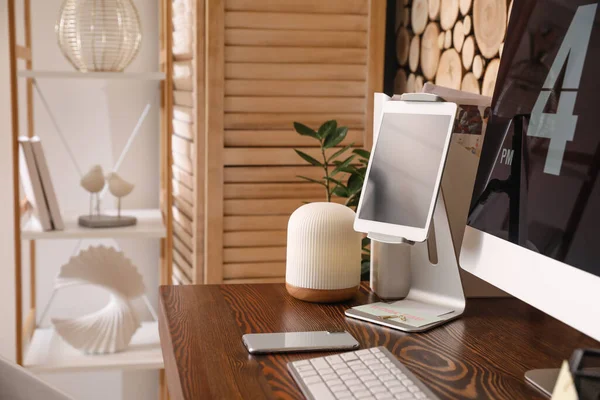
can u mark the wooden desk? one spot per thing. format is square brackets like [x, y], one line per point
[482, 355]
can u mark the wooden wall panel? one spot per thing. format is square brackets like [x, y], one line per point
[262, 121]
[278, 191]
[254, 270]
[271, 87]
[270, 206]
[293, 104]
[213, 182]
[305, 6]
[255, 223]
[183, 206]
[200, 143]
[255, 239]
[258, 66]
[182, 235]
[270, 155]
[295, 21]
[304, 72]
[243, 174]
[183, 129]
[182, 137]
[183, 177]
[290, 38]
[253, 254]
[284, 55]
[183, 98]
[281, 138]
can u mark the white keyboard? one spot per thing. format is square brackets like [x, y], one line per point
[365, 374]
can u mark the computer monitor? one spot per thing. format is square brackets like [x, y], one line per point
[534, 222]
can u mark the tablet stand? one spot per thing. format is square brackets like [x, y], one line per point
[433, 285]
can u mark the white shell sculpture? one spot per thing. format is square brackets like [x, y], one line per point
[110, 329]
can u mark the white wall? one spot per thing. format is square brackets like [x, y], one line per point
[96, 117]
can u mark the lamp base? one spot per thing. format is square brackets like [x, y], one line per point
[321, 295]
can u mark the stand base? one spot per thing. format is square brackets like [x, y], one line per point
[106, 221]
[543, 379]
[401, 326]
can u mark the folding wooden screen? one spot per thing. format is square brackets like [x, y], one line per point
[257, 66]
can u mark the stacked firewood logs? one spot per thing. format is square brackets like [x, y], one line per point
[452, 43]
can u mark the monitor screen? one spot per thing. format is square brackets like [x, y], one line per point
[404, 169]
[538, 185]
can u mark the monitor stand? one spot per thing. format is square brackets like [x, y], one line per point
[433, 285]
[543, 379]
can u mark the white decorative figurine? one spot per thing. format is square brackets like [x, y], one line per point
[118, 187]
[110, 329]
[323, 253]
[94, 181]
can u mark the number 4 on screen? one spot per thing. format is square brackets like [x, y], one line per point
[560, 127]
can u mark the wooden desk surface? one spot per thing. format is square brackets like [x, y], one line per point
[483, 355]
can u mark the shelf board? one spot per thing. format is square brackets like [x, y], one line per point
[49, 353]
[149, 225]
[132, 76]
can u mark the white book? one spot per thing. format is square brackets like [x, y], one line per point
[44, 173]
[32, 185]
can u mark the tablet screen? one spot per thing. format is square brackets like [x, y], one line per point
[404, 169]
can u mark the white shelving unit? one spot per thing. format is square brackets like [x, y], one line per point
[150, 225]
[47, 352]
[134, 76]
[40, 349]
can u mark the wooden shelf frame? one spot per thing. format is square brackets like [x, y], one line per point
[26, 327]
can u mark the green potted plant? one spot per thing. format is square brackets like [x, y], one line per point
[343, 171]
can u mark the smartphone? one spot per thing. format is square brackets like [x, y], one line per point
[287, 342]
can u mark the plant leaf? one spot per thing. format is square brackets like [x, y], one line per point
[362, 153]
[341, 166]
[340, 191]
[365, 269]
[334, 181]
[365, 257]
[355, 183]
[311, 180]
[349, 169]
[335, 138]
[308, 158]
[305, 130]
[340, 151]
[365, 242]
[327, 129]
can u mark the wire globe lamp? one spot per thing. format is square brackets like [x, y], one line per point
[99, 35]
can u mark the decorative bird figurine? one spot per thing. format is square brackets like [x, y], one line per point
[118, 187]
[94, 182]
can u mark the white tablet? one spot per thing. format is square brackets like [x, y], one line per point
[405, 169]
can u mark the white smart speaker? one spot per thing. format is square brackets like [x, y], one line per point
[323, 253]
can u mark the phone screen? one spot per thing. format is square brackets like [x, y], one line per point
[298, 341]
